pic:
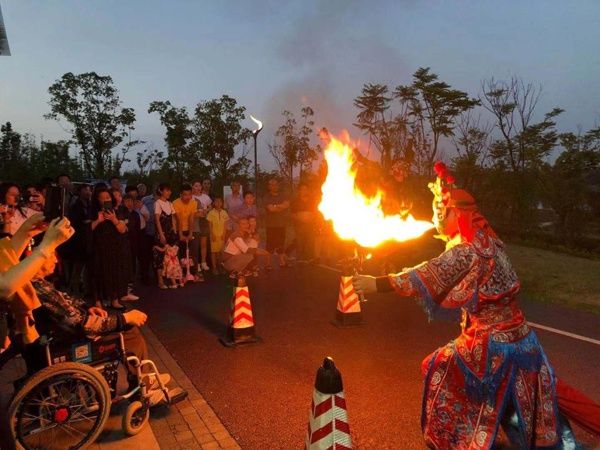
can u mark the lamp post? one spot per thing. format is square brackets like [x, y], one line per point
[255, 136]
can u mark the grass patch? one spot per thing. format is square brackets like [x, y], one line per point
[553, 277]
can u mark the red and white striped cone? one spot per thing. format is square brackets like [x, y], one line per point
[241, 322]
[348, 312]
[328, 420]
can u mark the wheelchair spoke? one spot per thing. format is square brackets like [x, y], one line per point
[62, 411]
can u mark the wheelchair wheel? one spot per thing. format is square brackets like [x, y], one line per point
[135, 417]
[64, 406]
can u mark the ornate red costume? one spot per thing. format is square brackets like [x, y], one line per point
[495, 373]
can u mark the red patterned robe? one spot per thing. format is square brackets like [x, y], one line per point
[495, 371]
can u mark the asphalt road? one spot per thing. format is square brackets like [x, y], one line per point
[262, 393]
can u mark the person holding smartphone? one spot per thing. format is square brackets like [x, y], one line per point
[13, 212]
[110, 261]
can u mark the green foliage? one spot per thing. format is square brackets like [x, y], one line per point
[566, 184]
[390, 131]
[181, 156]
[293, 147]
[22, 160]
[217, 133]
[206, 143]
[52, 159]
[90, 104]
[433, 106]
[13, 154]
[518, 155]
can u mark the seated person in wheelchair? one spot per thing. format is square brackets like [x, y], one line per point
[68, 318]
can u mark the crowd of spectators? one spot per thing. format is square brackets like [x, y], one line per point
[128, 233]
[75, 274]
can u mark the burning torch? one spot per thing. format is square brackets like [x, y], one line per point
[354, 265]
[255, 136]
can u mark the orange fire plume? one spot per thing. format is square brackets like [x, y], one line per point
[355, 216]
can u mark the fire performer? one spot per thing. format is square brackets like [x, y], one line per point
[496, 372]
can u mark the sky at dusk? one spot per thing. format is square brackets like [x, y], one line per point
[274, 55]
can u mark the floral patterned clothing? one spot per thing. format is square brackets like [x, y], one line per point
[171, 266]
[495, 371]
[70, 314]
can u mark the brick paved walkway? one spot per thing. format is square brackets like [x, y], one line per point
[191, 424]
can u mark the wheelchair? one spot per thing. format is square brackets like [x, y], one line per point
[66, 404]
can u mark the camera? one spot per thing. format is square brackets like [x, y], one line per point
[56, 203]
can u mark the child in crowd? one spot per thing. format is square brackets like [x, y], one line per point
[171, 267]
[217, 219]
[253, 241]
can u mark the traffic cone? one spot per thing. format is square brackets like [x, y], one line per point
[241, 323]
[328, 419]
[348, 312]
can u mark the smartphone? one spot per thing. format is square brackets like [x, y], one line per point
[56, 203]
[107, 206]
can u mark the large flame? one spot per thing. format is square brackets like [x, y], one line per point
[355, 216]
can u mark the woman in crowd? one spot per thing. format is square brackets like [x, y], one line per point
[111, 261]
[14, 213]
[34, 197]
[164, 220]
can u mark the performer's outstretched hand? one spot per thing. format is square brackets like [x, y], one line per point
[364, 284]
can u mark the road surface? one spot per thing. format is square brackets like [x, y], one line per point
[262, 393]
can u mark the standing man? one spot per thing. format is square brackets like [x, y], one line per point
[233, 203]
[142, 190]
[248, 208]
[200, 192]
[304, 215]
[185, 210]
[276, 209]
[115, 183]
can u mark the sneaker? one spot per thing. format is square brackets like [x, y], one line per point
[205, 267]
[131, 297]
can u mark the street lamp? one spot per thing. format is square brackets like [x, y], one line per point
[255, 135]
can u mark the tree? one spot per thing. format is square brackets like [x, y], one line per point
[388, 130]
[13, 158]
[566, 183]
[206, 143]
[148, 161]
[292, 147]
[181, 157]
[433, 107]
[90, 104]
[471, 139]
[518, 154]
[217, 133]
[53, 158]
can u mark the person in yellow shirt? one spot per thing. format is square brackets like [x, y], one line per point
[185, 209]
[217, 219]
